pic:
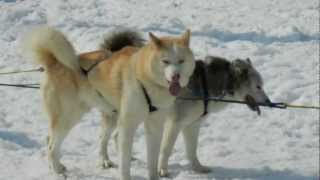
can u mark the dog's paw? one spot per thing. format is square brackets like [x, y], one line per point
[163, 172]
[59, 168]
[201, 169]
[105, 164]
[134, 158]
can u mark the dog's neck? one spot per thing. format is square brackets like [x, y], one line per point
[234, 84]
[144, 75]
[216, 84]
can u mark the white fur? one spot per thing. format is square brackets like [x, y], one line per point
[170, 71]
[46, 39]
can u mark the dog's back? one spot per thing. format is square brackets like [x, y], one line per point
[216, 74]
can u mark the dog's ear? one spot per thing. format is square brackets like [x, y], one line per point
[155, 40]
[244, 73]
[248, 61]
[240, 69]
[186, 37]
[241, 73]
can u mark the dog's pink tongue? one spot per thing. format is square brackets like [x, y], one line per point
[174, 88]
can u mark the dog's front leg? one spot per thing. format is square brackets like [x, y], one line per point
[153, 128]
[129, 119]
[125, 142]
[190, 134]
[170, 134]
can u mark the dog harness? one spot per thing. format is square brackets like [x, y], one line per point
[86, 71]
[148, 99]
[204, 87]
[146, 95]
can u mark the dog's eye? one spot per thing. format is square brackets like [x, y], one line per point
[181, 61]
[259, 87]
[165, 62]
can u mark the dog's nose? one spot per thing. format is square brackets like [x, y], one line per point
[175, 77]
[267, 101]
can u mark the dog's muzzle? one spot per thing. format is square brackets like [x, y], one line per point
[174, 85]
[252, 104]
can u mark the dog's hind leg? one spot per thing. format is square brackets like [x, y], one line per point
[58, 131]
[108, 125]
[62, 118]
[190, 134]
[170, 135]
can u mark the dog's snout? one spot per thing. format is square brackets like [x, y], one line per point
[267, 101]
[175, 77]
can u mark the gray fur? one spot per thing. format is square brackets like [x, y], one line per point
[222, 76]
[237, 80]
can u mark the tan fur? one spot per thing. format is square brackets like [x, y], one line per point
[107, 76]
[113, 85]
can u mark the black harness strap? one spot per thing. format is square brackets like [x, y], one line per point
[151, 107]
[86, 71]
[146, 95]
[205, 94]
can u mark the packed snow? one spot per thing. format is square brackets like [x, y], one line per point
[280, 36]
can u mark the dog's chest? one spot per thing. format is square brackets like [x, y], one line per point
[161, 98]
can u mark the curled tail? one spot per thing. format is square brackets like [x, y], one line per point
[117, 40]
[49, 46]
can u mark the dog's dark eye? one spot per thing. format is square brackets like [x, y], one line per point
[259, 87]
[165, 62]
[181, 61]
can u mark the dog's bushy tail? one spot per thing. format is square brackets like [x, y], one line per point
[117, 40]
[49, 46]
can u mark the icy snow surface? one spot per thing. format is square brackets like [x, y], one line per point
[280, 36]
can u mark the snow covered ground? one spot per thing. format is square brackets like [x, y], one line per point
[280, 36]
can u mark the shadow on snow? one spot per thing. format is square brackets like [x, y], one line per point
[228, 36]
[223, 173]
[19, 138]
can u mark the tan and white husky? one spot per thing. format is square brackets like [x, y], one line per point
[236, 80]
[125, 86]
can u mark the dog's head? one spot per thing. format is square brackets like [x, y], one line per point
[248, 84]
[172, 61]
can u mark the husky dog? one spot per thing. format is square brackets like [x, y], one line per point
[125, 86]
[237, 80]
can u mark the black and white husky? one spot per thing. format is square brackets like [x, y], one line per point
[236, 80]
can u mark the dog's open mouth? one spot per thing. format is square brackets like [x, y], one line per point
[252, 104]
[174, 88]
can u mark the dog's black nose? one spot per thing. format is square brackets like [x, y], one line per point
[267, 101]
